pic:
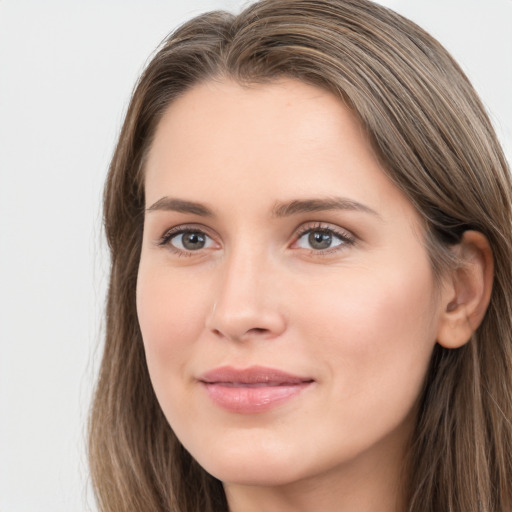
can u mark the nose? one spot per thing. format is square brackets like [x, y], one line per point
[246, 301]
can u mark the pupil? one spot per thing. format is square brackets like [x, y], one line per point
[193, 241]
[319, 240]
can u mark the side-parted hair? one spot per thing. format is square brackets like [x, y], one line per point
[435, 142]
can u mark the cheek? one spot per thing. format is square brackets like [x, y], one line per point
[377, 328]
[375, 333]
[171, 314]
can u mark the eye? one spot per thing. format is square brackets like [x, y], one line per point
[185, 240]
[322, 238]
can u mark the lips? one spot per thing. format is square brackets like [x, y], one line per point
[252, 390]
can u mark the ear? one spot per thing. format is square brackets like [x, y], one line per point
[467, 291]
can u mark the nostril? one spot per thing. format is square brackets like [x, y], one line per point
[237, 320]
[257, 330]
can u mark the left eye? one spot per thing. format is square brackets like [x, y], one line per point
[190, 241]
[320, 239]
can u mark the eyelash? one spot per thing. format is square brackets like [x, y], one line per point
[345, 237]
[165, 240]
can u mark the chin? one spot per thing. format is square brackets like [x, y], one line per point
[267, 466]
[254, 474]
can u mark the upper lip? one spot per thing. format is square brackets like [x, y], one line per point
[252, 375]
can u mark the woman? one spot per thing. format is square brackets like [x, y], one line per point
[309, 220]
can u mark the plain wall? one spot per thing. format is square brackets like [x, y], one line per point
[66, 72]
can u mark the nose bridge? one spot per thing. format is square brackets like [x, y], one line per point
[244, 301]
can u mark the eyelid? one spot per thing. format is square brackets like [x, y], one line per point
[165, 239]
[347, 237]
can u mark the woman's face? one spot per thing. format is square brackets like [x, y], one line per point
[286, 300]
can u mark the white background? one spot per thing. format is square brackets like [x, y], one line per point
[66, 72]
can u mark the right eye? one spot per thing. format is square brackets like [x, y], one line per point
[185, 240]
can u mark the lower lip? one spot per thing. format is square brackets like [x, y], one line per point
[252, 399]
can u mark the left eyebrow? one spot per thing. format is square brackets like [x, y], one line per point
[319, 205]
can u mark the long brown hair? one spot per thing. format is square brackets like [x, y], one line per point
[435, 142]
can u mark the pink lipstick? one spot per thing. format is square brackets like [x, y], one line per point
[251, 390]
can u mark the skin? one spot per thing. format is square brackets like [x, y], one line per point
[360, 318]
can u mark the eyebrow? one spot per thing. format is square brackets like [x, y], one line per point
[181, 206]
[319, 205]
[280, 209]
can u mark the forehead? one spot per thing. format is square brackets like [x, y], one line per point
[256, 121]
[236, 118]
[283, 140]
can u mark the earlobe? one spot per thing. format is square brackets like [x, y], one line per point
[467, 291]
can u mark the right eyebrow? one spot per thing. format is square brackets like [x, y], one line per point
[179, 205]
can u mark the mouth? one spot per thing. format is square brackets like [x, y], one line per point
[252, 390]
